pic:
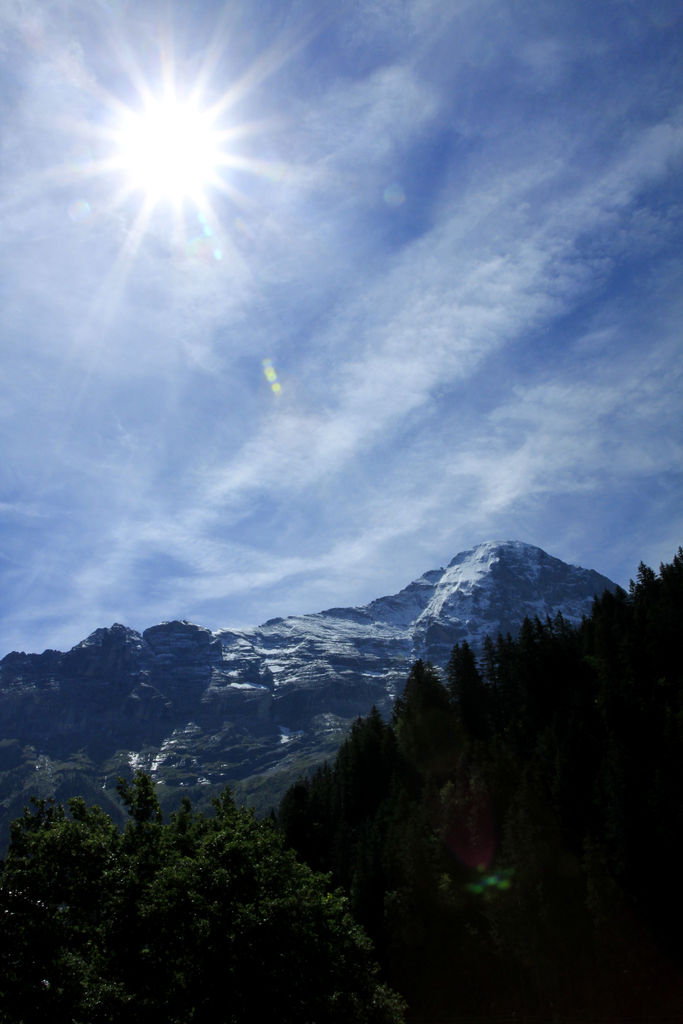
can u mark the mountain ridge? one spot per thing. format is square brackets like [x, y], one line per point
[491, 549]
[201, 708]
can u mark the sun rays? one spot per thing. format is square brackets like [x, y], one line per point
[168, 157]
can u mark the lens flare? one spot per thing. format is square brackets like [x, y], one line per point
[470, 832]
[501, 880]
[394, 195]
[204, 246]
[79, 211]
[271, 376]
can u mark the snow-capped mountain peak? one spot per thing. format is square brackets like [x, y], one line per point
[185, 702]
[479, 567]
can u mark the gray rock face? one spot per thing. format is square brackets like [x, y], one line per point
[197, 708]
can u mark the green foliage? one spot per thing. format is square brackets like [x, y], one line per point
[203, 919]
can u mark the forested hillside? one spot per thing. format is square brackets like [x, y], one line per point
[510, 840]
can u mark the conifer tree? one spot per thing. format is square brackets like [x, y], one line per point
[468, 692]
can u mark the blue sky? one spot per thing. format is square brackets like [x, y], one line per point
[450, 233]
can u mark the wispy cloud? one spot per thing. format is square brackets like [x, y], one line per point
[454, 234]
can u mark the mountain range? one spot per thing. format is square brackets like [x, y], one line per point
[253, 707]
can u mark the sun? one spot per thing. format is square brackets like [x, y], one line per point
[169, 149]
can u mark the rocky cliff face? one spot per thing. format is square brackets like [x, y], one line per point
[199, 709]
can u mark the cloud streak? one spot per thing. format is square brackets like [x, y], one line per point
[463, 271]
